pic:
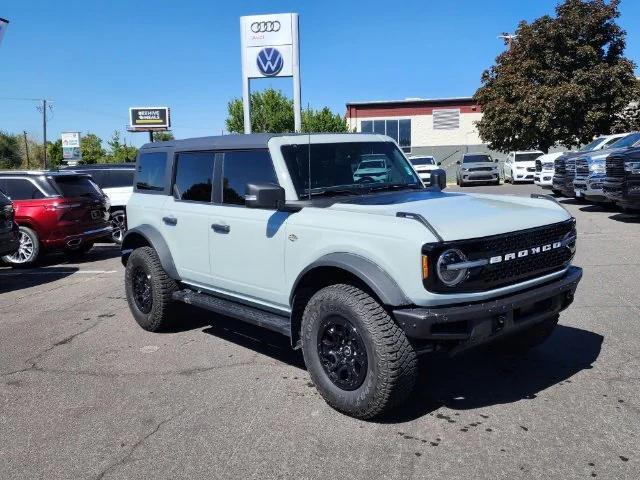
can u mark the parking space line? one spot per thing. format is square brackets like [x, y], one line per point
[56, 272]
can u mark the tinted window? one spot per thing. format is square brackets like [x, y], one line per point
[590, 146]
[20, 189]
[366, 126]
[404, 135]
[240, 168]
[627, 141]
[527, 157]
[116, 178]
[74, 186]
[151, 171]
[194, 174]
[476, 158]
[422, 161]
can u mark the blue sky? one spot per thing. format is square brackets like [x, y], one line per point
[94, 59]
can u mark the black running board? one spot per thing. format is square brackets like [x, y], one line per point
[255, 316]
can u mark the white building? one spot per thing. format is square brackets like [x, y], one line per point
[419, 125]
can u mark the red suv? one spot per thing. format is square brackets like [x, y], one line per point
[55, 211]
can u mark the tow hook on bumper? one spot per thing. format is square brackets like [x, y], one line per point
[472, 324]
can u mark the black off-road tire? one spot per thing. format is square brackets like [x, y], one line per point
[161, 313]
[391, 360]
[522, 342]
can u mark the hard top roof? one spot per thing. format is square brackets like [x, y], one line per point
[240, 141]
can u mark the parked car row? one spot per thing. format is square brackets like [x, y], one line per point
[67, 210]
[606, 170]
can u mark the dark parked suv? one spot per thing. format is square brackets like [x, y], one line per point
[622, 183]
[55, 211]
[8, 229]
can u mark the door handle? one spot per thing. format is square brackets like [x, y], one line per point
[170, 220]
[221, 228]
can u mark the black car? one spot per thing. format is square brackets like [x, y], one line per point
[622, 181]
[9, 237]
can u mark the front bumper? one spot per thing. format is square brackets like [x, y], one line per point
[590, 187]
[624, 193]
[544, 179]
[526, 175]
[464, 326]
[480, 177]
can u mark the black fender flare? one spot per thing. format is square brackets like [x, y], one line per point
[371, 274]
[155, 239]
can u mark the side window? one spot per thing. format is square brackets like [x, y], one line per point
[151, 171]
[194, 176]
[117, 178]
[20, 189]
[242, 167]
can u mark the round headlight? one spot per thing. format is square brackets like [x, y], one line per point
[448, 273]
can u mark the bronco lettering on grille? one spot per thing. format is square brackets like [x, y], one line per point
[525, 253]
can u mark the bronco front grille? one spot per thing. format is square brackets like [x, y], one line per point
[615, 167]
[582, 167]
[505, 273]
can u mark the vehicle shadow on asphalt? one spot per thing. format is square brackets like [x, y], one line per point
[483, 378]
[626, 217]
[13, 279]
[243, 334]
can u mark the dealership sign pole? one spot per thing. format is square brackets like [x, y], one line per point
[270, 48]
[3, 27]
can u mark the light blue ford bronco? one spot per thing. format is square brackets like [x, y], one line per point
[362, 272]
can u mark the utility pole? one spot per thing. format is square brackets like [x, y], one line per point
[44, 130]
[26, 147]
[508, 39]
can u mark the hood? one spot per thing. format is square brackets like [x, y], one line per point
[457, 216]
[479, 164]
[601, 155]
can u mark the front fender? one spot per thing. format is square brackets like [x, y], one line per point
[144, 235]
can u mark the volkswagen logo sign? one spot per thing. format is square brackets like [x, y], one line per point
[270, 62]
[262, 27]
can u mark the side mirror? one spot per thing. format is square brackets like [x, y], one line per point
[439, 179]
[264, 195]
[458, 162]
[439, 163]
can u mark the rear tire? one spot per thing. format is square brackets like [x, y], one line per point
[522, 342]
[497, 182]
[28, 252]
[149, 290]
[358, 358]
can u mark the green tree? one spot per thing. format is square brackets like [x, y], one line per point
[272, 112]
[119, 152]
[9, 151]
[54, 153]
[162, 136]
[91, 148]
[563, 80]
[323, 121]
[629, 119]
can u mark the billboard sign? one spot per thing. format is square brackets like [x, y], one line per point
[71, 146]
[3, 27]
[269, 45]
[149, 118]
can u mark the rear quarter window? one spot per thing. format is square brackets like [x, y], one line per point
[117, 178]
[151, 172]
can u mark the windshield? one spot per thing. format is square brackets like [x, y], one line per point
[336, 167]
[76, 186]
[480, 158]
[628, 141]
[371, 164]
[592, 145]
[422, 161]
[527, 157]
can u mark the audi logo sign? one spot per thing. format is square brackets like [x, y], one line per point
[262, 27]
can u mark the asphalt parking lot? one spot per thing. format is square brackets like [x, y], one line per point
[86, 393]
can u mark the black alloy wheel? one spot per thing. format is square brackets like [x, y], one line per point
[142, 290]
[342, 353]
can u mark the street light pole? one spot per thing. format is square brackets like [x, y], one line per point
[44, 130]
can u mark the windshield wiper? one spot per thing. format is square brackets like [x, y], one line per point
[331, 192]
[394, 186]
